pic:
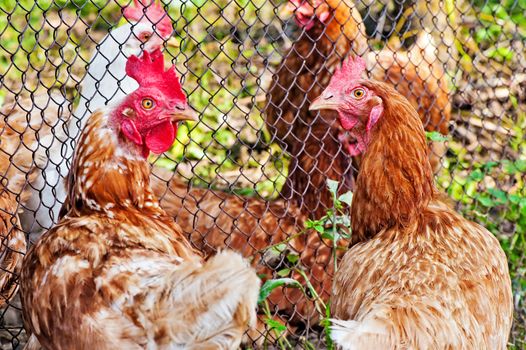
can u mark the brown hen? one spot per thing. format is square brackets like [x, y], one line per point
[419, 275]
[332, 30]
[116, 272]
[22, 145]
[214, 220]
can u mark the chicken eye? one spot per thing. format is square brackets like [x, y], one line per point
[147, 103]
[145, 36]
[358, 93]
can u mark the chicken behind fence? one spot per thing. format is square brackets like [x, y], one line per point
[331, 31]
[116, 271]
[418, 275]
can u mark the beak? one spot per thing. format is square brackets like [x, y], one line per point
[172, 42]
[324, 102]
[188, 113]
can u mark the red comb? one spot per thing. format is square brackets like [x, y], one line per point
[352, 68]
[148, 71]
[152, 11]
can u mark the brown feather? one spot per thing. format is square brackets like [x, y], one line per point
[213, 220]
[20, 146]
[419, 275]
[117, 272]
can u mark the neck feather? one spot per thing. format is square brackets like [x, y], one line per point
[395, 181]
[108, 173]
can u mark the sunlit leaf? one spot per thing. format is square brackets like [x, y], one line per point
[332, 186]
[272, 284]
[346, 198]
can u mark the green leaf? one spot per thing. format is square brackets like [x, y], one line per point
[476, 175]
[522, 206]
[272, 284]
[486, 201]
[482, 35]
[520, 164]
[293, 258]
[346, 198]
[514, 198]
[436, 136]
[500, 53]
[317, 225]
[500, 196]
[283, 272]
[279, 248]
[332, 186]
[509, 167]
[333, 236]
[490, 165]
[276, 325]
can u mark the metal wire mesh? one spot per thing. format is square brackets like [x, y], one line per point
[253, 171]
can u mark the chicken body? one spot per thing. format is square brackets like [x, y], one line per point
[306, 70]
[442, 283]
[301, 76]
[418, 275]
[116, 272]
[22, 148]
[213, 220]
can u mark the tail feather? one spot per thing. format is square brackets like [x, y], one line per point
[354, 335]
[221, 296]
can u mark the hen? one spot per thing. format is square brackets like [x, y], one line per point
[19, 141]
[332, 30]
[116, 272]
[105, 81]
[214, 220]
[419, 275]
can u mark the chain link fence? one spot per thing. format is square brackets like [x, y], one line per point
[252, 173]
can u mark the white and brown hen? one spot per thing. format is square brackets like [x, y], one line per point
[116, 272]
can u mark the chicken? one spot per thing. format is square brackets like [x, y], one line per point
[105, 81]
[301, 76]
[116, 272]
[332, 30]
[419, 275]
[13, 245]
[19, 141]
[214, 220]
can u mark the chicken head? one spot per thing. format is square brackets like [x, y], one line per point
[148, 117]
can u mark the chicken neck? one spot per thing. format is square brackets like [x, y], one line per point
[395, 181]
[109, 172]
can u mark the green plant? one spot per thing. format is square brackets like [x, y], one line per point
[334, 226]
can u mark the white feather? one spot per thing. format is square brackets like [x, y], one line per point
[104, 83]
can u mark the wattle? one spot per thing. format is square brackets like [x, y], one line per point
[161, 137]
